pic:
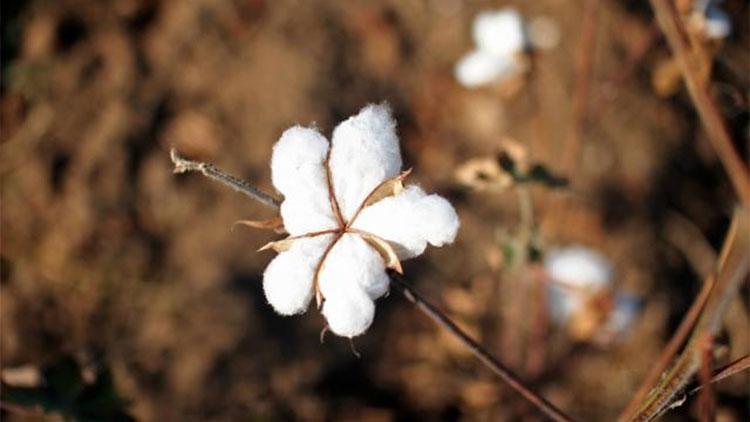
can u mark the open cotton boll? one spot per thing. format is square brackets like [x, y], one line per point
[499, 32]
[288, 279]
[348, 313]
[480, 68]
[577, 273]
[364, 153]
[409, 220]
[298, 171]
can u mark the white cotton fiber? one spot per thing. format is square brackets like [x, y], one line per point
[499, 32]
[410, 220]
[364, 153]
[348, 313]
[584, 271]
[480, 67]
[353, 265]
[288, 279]
[580, 267]
[298, 172]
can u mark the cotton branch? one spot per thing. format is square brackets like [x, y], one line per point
[182, 165]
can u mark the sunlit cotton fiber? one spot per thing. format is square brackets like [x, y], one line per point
[342, 266]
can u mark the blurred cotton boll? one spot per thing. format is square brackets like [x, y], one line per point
[500, 32]
[502, 42]
[480, 68]
[576, 273]
[709, 19]
[582, 297]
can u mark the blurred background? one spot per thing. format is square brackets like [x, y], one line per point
[126, 293]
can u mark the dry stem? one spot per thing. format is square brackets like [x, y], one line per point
[182, 165]
[691, 66]
[730, 273]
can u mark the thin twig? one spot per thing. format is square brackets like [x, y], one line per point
[690, 64]
[477, 350]
[733, 267]
[182, 165]
[739, 365]
[584, 71]
[671, 349]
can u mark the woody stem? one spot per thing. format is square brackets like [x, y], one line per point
[432, 312]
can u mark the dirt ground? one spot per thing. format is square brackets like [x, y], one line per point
[109, 258]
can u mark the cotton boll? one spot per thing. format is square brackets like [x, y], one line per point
[349, 314]
[480, 68]
[409, 220]
[577, 273]
[298, 171]
[364, 153]
[288, 279]
[353, 266]
[579, 267]
[716, 24]
[499, 32]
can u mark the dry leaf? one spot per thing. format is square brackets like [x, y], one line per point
[279, 245]
[385, 250]
[276, 224]
[390, 187]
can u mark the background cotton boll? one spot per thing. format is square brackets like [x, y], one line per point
[348, 314]
[578, 266]
[500, 32]
[364, 153]
[298, 155]
[716, 23]
[577, 273]
[480, 67]
[288, 279]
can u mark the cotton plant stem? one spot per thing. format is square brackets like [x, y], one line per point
[732, 270]
[671, 349]
[584, 71]
[477, 350]
[689, 63]
[182, 165]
